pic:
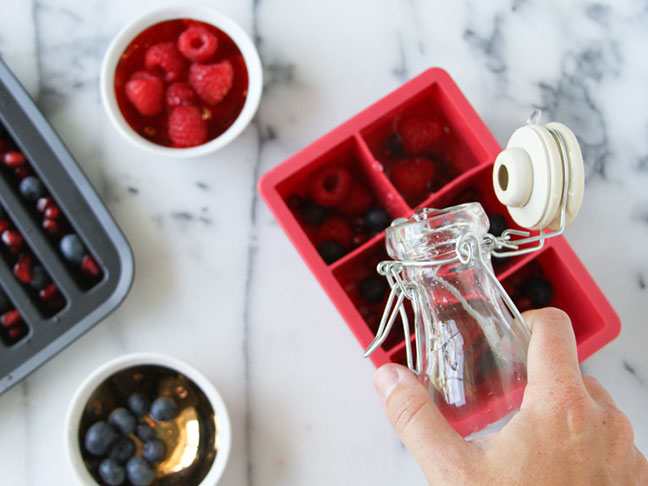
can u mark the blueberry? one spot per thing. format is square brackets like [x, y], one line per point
[4, 302]
[330, 251]
[154, 450]
[497, 224]
[72, 248]
[164, 409]
[373, 288]
[39, 278]
[31, 188]
[377, 219]
[122, 450]
[395, 145]
[140, 472]
[539, 290]
[139, 404]
[313, 213]
[122, 420]
[98, 438]
[112, 472]
[144, 432]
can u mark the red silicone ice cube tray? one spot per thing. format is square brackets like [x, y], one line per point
[362, 144]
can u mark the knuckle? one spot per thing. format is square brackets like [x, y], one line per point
[619, 424]
[404, 407]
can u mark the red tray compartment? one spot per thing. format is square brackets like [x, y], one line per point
[364, 141]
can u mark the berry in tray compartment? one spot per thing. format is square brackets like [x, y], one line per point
[338, 212]
[528, 287]
[12, 326]
[28, 270]
[181, 83]
[369, 291]
[45, 210]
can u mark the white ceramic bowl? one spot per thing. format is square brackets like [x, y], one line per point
[203, 14]
[92, 382]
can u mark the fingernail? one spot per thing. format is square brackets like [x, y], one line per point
[385, 380]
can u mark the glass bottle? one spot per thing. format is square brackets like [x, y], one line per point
[471, 350]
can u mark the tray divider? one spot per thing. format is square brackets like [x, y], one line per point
[387, 194]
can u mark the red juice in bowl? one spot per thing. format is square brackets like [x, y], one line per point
[217, 116]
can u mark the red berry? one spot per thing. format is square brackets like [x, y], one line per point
[336, 229]
[211, 82]
[14, 159]
[13, 240]
[21, 172]
[146, 92]
[22, 269]
[329, 185]
[43, 203]
[51, 226]
[357, 201]
[197, 43]
[413, 177]
[10, 319]
[49, 292]
[187, 127]
[89, 267]
[166, 57]
[17, 332]
[4, 225]
[53, 212]
[420, 134]
[179, 94]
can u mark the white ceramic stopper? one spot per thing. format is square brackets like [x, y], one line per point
[513, 177]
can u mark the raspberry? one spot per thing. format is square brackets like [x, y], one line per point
[179, 94]
[419, 134]
[329, 186]
[337, 230]
[14, 159]
[13, 240]
[23, 269]
[145, 91]
[357, 201]
[53, 212]
[89, 266]
[211, 82]
[166, 57]
[10, 319]
[43, 203]
[197, 43]
[412, 177]
[49, 292]
[51, 226]
[186, 127]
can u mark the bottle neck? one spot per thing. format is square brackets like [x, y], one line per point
[433, 234]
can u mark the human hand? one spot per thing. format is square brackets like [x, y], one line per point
[568, 430]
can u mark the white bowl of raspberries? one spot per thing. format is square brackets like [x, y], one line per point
[181, 81]
[146, 419]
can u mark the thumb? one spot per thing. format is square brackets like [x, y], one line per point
[437, 447]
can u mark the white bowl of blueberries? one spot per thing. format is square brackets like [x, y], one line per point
[147, 419]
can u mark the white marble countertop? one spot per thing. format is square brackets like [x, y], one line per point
[219, 285]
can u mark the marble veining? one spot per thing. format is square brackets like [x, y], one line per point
[217, 282]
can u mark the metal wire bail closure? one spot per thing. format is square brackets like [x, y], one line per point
[469, 246]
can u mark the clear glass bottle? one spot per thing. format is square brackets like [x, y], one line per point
[473, 358]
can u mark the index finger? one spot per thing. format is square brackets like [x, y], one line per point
[552, 359]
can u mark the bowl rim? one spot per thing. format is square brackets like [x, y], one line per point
[111, 367]
[170, 12]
